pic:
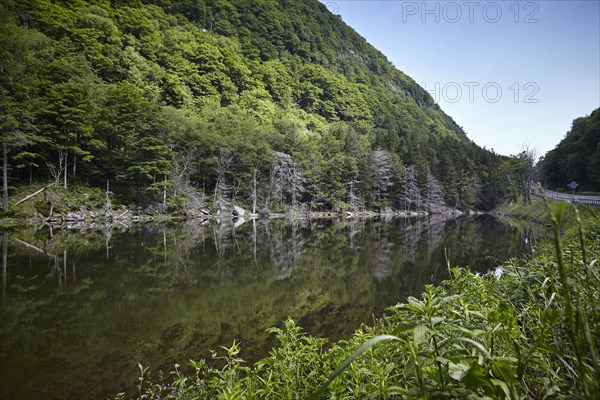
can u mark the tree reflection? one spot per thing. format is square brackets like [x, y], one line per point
[4, 265]
[286, 246]
[163, 293]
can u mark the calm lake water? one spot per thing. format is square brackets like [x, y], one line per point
[80, 308]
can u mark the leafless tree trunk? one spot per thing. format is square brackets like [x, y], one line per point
[74, 164]
[65, 157]
[254, 191]
[4, 266]
[354, 202]
[59, 171]
[165, 193]
[297, 183]
[182, 167]
[383, 171]
[254, 239]
[433, 193]
[5, 151]
[411, 187]
[286, 177]
[221, 188]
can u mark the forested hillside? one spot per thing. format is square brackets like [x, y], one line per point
[576, 157]
[184, 105]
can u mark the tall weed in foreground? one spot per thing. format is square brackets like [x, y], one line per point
[578, 285]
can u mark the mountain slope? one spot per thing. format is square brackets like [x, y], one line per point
[301, 32]
[188, 104]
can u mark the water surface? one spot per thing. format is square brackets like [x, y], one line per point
[80, 308]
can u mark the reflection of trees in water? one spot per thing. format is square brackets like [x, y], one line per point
[227, 245]
[412, 236]
[410, 239]
[59, 271]
[222, 236]
[413, 245]
[528, 234]
[435, 226]
[192, 252]
[185, 240]
[286, 246]
[107, 233]
[355, 225]
[383, 252]
[172, 290]
[185, 251]
[4, 265]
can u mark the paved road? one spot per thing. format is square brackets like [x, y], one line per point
[551, 195]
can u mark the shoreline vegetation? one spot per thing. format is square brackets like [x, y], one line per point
[80, 206]
[529, 329]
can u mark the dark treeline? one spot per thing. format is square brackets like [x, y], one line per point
[182, 105]
[576, 157]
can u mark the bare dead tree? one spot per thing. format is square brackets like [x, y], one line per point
[411, 187]
[183, 166]
[57, 171]
[383, 171]
[433, 193]
[296, 182]
[4, 266]
[354, 202]
[286, 179]
[254, 193]
[257, 191]
[222, 190]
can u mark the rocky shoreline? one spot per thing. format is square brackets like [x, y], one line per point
[126, 216]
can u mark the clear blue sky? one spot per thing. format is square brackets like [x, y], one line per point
[511, 73]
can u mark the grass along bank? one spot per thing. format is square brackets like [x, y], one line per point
[535, 211]
[532, 332]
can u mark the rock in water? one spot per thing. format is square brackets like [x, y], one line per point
[238, 211]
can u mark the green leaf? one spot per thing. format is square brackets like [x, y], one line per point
[478, 345]
[420, 334]
[560, 210]
[458, 371]
[452, 298]
[477, 378]
[355, 355]
[504, 370]
[414, 304]
[403, 328]
[398, 390]
[477, 314]
[504, 387]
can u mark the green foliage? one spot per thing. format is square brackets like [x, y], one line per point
[576, 157]
[126, 91]
[22, 55]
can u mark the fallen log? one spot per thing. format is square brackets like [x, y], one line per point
[122, 214]
[24, 243]
[33, 194]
